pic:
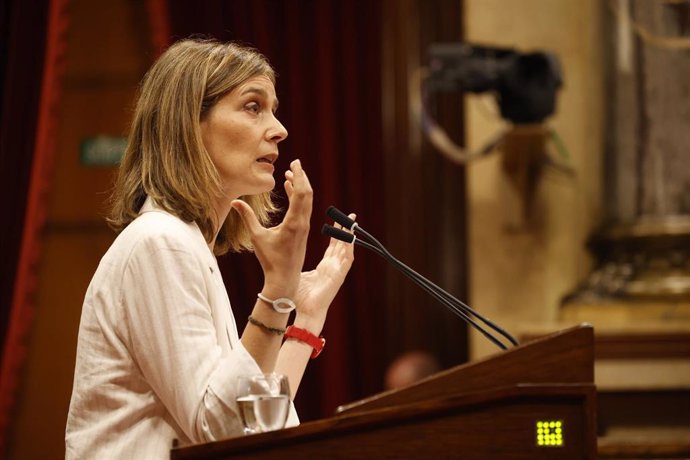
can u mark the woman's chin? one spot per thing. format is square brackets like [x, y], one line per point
[261, 185]
[266, 186]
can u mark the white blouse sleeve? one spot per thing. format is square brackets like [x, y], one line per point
[173, 339]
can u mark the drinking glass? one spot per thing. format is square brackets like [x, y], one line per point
[263, 401]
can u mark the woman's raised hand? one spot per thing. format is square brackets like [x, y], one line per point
[281, 249]
[318, 287]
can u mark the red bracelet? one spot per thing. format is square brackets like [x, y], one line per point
[303, 335]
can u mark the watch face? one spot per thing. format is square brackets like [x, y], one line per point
[283, 305]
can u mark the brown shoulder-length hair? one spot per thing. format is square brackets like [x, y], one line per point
[165, 156]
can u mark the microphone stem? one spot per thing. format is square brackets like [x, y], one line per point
[426, 285]
[423, 283]
[449, 298]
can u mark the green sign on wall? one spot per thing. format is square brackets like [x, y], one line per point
[102, 151]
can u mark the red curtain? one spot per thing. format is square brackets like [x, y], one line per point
[33, 41]
[22, 47]
[327, 56]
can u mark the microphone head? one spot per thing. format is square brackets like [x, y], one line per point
[340, 217]
[338, 234]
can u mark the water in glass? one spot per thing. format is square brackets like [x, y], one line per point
[263, 401]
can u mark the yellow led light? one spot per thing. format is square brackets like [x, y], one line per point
[549, 433]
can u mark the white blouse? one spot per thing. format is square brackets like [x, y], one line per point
[158, 351]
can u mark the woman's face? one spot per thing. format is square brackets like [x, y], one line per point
[241, 133]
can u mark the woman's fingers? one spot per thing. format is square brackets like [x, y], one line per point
[288, 189]
[288, 184]
[299, 193]
[338, 247]
[352, 216]
[248, 217]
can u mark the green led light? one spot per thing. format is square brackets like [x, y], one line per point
[550, 433]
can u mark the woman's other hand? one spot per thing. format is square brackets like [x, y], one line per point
[318, 287]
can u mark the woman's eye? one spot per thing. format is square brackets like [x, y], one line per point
[253, 107]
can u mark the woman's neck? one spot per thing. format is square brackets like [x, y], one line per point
[221, 208]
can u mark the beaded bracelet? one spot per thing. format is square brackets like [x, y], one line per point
[274, 330]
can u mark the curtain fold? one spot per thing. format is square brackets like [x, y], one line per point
[34, 36]
[327, 56]
[20, 77]
[159, 25]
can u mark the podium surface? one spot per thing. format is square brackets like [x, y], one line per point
[535, 401]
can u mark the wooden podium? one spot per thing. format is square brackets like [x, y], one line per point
[535, 401]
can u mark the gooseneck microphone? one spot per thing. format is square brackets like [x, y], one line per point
[453, 304]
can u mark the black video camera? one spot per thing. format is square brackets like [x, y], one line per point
[525, 83]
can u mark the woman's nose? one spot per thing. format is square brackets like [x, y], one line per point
[278, 132]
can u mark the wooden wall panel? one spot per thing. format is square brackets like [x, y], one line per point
[108, 52]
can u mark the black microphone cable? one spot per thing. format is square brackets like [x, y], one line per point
[418, 279]
[446, 299]
[422, 282]
[348, 223]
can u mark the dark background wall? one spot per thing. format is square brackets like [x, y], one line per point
[344, 89]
